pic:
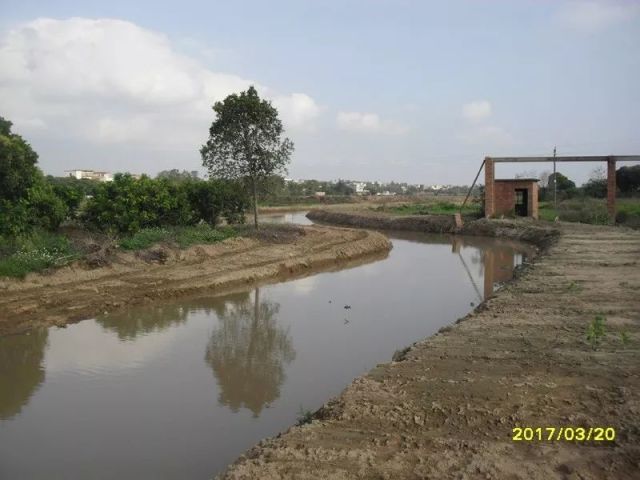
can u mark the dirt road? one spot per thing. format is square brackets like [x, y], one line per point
[447, 408]
[77, 292]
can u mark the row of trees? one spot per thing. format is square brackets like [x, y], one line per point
[627, 182]
[128, 204]
[29, 200]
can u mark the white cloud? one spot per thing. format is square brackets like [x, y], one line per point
[476, 110]
[368, 123]
[596, 15]
[298, 109]
[111, 81]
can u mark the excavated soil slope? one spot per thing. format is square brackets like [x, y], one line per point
[447, 408]
[78, 292]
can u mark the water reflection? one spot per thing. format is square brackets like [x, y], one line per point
[129, 324]
[248, 353]
[495, 265]
[21, 370]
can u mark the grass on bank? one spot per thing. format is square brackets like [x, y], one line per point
[35, 252]
[41, 250]
[436, 208]
[183, 237]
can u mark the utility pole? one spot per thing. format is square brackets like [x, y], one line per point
[555, 182]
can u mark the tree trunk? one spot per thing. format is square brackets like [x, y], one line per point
[255, 201]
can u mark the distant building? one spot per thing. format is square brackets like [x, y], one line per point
[91, 175]
[360, 188]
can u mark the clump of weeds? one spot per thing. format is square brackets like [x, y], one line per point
[596, 331]
[624, 337]
[574, 286]
[304, 417]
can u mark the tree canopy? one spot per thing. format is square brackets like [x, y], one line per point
[18, 170]
[628, 179]
[26, 199]
[245, 141]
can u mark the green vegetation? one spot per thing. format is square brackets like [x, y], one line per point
[34, 252]
[596, 331]
[624, 337]
[180, 236]
[436, 208]
[593, 211]
[27, 201]
[145, 211]
[304, 417]
[628, 179]
[245, 142]
[574, 286]
[582, 210]
[127, 205]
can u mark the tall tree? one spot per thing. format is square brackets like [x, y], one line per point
[245, 141]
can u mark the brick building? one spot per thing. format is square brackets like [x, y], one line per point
[517, 196]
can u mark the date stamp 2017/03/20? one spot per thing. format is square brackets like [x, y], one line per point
[567, 434]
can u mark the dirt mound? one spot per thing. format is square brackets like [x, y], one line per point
[525, 230]
[415, 223]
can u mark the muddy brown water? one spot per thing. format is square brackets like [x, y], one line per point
[180, 390]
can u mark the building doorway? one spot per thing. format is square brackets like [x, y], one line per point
[522, 202]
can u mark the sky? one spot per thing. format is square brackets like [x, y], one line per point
[411, 91]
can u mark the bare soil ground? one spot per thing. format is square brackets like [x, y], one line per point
[447, 407]
[108, 280]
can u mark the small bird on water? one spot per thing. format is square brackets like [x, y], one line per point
[347, 307]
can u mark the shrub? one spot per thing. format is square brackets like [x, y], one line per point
[215, 198]
[127, 205]
[72, 191]
[39, 208]
[585, 210]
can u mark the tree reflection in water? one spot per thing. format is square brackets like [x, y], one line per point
[248, 353]
[129, 324]
[21, 370]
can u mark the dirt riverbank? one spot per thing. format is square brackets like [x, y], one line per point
[447, 406]
[78, 291]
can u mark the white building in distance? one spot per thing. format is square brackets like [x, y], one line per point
[359, 187]
[91, 175]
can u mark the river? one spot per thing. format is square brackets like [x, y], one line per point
[180, 390]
